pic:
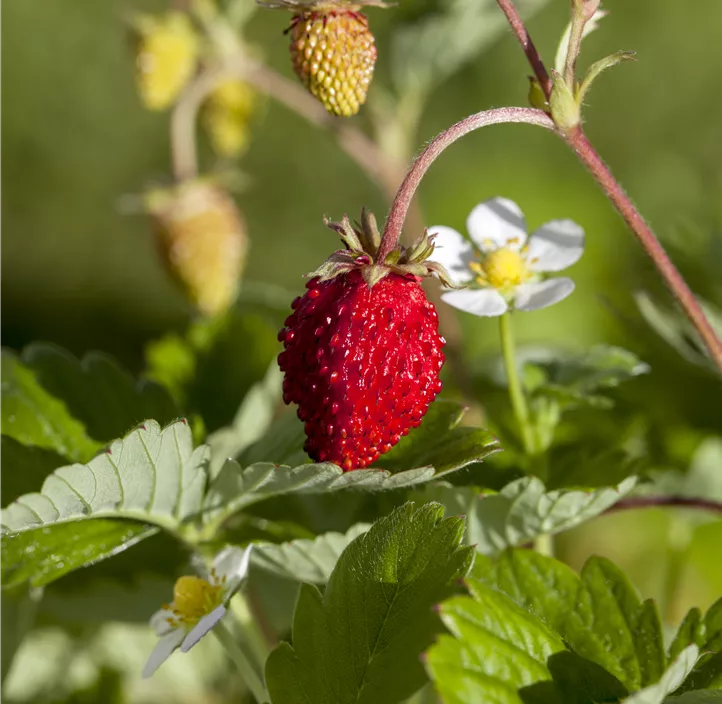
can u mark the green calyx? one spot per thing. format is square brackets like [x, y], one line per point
[362, 244]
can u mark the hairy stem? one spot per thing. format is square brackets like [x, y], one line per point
[404, 196]
[516, 393]
[532, 55]
[576, 31]
[604, 177]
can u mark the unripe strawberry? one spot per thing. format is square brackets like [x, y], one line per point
[202, 239]
[362, 351]
[166, 57]
[227, 117]
[333, 51]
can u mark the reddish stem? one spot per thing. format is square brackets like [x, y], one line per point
[405, 194]
[591, 159]
[532, 55]
[637, 502]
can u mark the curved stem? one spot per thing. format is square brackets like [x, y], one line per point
[604, 177]
[402, 201]
[516, 393]
[637, 502]
[246, 670]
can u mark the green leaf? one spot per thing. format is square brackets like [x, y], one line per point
[579, 380]
[598, 614]
[42, 555]
[671, 679]
[600, 66]
[18, 607]
[151, 475]
[499, 652]
[523, 510]
[360, 641]
[24, 468]
[700, 696]
[32, 416]
[98, 392]
[252, 420]
[305, 560]
[706, 633]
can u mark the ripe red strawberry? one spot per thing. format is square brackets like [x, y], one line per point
[362, 349]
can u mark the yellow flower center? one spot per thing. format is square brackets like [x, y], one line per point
[503, 269]
[194, 597]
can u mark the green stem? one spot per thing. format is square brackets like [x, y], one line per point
[516, 394]
[248, 628]
[544, 544]
[252, 680]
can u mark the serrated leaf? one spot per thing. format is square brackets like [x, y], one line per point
[98, 391]
[250, 423]
[32, 416]
[152, 475]
[598, 614]
[360, 641]
[306, 560]
[670, 680]
[42, 555]
[499, 652]
[524, 510]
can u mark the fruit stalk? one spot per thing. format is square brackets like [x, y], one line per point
[402, 201]
[578, 141]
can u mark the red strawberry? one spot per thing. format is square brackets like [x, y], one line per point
[362, 349]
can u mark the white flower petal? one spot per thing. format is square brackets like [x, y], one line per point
[159, 622]
[496, 223]
[163, 650]
[555, 246]
[203, 626]
[452, 251]
[232, 563]
[483, 302]
[540, 294]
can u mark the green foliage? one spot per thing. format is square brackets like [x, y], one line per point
[670, 680]
[24, 467]
[32, 416]
[597, 613]
[360, 640]
[502, 653]
[523, 510]
[105, 398]
[306, 560]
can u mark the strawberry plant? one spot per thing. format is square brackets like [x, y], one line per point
[368, 490]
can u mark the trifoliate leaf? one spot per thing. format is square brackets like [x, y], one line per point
[33, 416]
[305, 560]
[598, 613]
[360, 641]
[523, 510]
[500, 653]
[42, 555]
[251, 422]
[98, 392]
[671, 679]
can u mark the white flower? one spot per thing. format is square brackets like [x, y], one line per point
[198, 605]
[502, 268]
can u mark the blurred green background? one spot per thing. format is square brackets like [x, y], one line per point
[79, 266]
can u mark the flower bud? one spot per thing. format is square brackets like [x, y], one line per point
[166, 57]
[202, 239]
[563, 105]
[227, 116]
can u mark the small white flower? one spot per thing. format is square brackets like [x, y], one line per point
[502, 268]
[198, 605]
